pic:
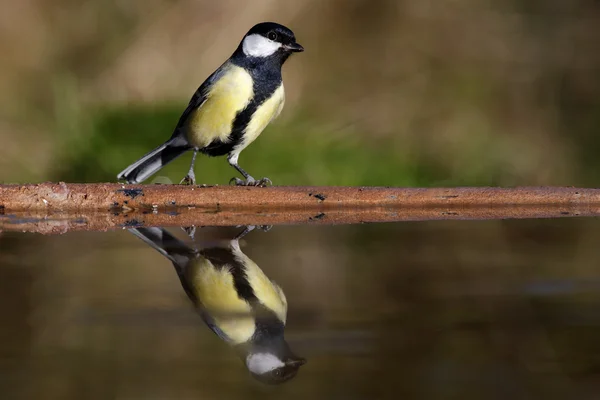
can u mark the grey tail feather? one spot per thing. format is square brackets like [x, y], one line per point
[166, 244]
[152, 162]
[172, 248]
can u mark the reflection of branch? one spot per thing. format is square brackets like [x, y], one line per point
[52, 207]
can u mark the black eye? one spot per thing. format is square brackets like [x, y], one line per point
[272, 35]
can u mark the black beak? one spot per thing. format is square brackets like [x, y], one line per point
[294, 47]
[296, 362]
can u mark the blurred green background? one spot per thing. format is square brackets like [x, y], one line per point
[462, 92]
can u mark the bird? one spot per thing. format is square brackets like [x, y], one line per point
[230, 109]
[236, 300]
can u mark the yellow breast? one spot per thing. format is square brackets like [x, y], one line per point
[228, 96]
[265, 290]
[215, 290]
[264, 114]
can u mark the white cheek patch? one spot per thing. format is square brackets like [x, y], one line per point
[263, 362]
[259, 46]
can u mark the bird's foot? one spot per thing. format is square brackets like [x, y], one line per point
[190, 179]
[264, 228]
[250, 228]
[250, 181]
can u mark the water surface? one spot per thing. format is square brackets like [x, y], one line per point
[423, 310]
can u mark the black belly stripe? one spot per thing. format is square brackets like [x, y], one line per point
[266, 78]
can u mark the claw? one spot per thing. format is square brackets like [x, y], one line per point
[188, 180]
[250, 181]
[264, 182]
[237, 182]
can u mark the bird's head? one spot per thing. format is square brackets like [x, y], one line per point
[272, 369]
[269, 39]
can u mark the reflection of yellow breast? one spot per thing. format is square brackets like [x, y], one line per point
[216, 292]
[264, 114]
[265, 290]
[228, 95]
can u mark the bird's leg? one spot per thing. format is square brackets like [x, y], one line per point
[235, 242]
[250, 228]
[243, 233]
[190, 178]
[190, 230]
[248, 180]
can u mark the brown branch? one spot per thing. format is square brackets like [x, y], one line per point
[108, 196]
[57, 208]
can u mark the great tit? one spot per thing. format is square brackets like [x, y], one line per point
[236, 300]
[231, 108]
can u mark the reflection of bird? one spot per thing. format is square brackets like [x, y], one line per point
[236, 300]
[231, 108]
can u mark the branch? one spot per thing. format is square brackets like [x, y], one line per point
[60, 207]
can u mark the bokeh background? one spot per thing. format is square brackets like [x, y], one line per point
[404, 92]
